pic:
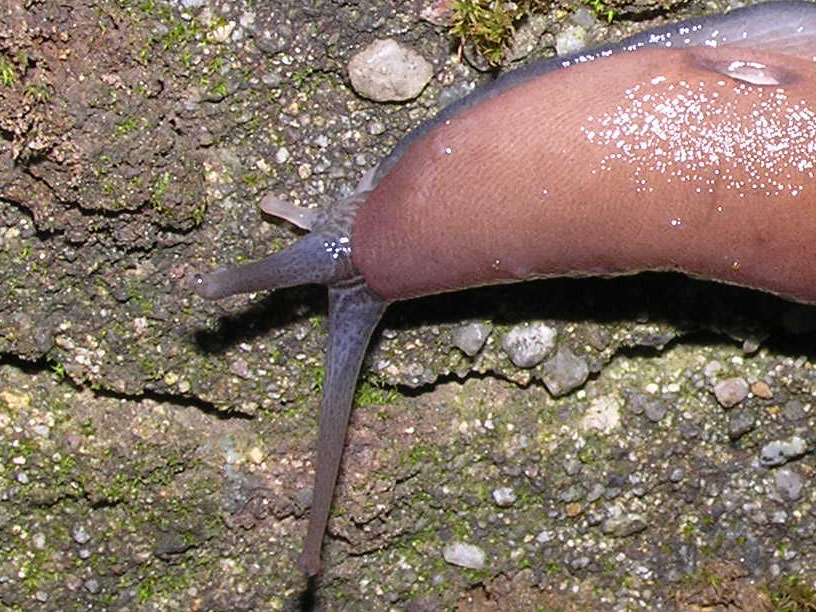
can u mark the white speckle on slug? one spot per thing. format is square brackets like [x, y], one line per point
[749, 139]
[337, 248]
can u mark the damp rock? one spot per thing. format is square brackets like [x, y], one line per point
[571, 39]
[731, 391]
[80, 534]
[740, 422]
[788, 484]
[655, 410]
[470, 338]
[624, 525]
[603, 414]
[527, 345]
[504, 497]
[779, 452]
[564, 372]
[464, 555]
[386, 71]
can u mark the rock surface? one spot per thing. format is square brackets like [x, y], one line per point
[158, 450]
[387, 71]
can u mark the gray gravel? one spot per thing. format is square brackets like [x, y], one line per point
[527, 345]
[388, 71]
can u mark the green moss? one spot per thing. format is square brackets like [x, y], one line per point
[489, 25]
[59, 370]
[126, 127]
[220, 89]
[8, 75]
[38, 92]
[602, 9]
[375, 392]
[159, 190]
[792, 594]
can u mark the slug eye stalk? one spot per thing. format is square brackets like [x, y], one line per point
[317, 258]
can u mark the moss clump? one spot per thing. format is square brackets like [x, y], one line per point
[489, 25]
[7, 73]
[792, 594]
[602, 9]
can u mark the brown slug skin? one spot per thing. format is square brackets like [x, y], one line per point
[653, 160]
[689, 147]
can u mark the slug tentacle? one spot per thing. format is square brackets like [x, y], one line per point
[319, 258]
[353, 314]
[303, 218]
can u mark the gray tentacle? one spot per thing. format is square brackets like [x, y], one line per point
[353, 314]
[317, 258]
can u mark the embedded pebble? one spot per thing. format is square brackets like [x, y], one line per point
[637, 402]
[761, 389]
[528, 345]
[584, 17]
[240, 367]
[386, 71]
[740, 422]
[191, 4]
[595, 492]
[572, 466]
[80, 534]
[794, 411]
[504, 497]
[571, 494]
[712, 368]
[624, 525]
[437, 12]
[655, 410]
[564, 372]
[470, 338]
[603, 414]
[376, 127]
[282, 155]
[788, 484]
[464, 555]
[570, 39]
[782, 451]
[731, 391]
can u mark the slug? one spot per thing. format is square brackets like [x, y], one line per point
[689, 147]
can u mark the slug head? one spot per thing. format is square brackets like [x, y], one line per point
[323, 257]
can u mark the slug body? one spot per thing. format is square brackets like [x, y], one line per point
[689, 148]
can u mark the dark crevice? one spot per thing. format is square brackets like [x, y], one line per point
[694, 338]
[92, 213]
[103, 503]
[44, 365]
[19, 206]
